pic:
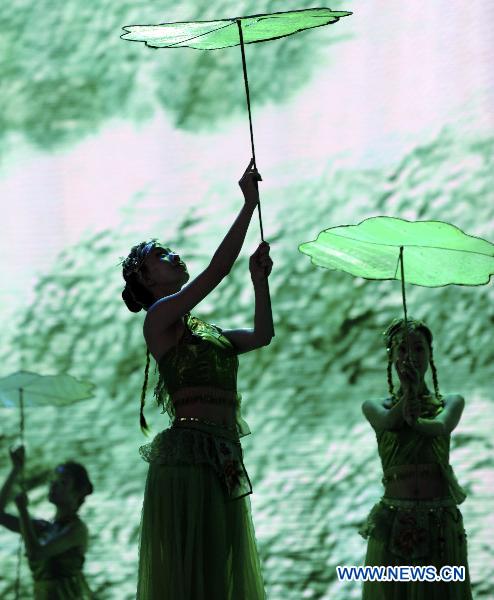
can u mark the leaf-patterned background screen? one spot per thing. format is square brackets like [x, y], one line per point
[106, 143]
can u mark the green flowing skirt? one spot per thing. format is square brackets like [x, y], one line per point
[196, 543]
[404, 533]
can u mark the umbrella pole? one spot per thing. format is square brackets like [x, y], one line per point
[19, 548]
[402, 271]
[247, 95]
[21, 422]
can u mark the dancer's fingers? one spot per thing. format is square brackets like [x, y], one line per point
[249, 166]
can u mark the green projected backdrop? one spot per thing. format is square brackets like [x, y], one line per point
[106, 143]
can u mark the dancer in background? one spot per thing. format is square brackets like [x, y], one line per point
[55, 549]
[197, 537]
[417, 522]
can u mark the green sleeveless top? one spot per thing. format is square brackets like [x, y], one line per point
[202, 357]
[406, 446]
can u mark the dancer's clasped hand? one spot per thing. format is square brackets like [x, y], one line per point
[249, 184]
[410, 381]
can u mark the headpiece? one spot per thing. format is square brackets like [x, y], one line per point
[136, 257]
[398, 324]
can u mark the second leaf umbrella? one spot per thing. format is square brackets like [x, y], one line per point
[426, 253]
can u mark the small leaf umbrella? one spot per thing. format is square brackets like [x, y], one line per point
[30, 389]
[432, 253]
[237, 31]
[24, 388]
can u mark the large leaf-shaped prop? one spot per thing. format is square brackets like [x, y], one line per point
[223, 33]
[43, 390]
[24, 388]
[434, 253]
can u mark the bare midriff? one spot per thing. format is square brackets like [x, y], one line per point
[417, 482]
[211, 404]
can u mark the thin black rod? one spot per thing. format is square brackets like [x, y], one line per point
[402, 271]
[21, 406]
[247, 95]
[17, 588]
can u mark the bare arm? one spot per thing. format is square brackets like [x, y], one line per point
[246, 340]
[168, 310]
[74, 534]
[446, 421]
[17, 458]
[381, 417]
[6, 490]
[10, 522]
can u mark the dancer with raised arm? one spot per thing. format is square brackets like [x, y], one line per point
[56, 548]
[197, 538]
[417, 522]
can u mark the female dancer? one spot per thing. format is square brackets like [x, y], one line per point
[417, 522]
[55, 549]
[197, 538]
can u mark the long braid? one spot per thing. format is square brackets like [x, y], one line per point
[390, 376]
[434, 375]
[144, 425]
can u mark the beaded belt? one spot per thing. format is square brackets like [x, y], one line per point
[185, 420]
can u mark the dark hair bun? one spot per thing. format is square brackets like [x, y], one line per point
[130, 301]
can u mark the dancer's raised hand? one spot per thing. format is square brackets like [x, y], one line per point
[260, 263]
[249, 184]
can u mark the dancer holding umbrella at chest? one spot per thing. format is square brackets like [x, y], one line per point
[197, 538]
[55, 549]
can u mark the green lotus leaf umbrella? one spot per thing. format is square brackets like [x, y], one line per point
[24, 388]
[237, 31]
[432, 253]
[224, 33]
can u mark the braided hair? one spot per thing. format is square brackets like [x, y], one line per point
[398, 326]
[137, 297]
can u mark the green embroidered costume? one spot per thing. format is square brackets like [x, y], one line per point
[417, 532]
[197, 537]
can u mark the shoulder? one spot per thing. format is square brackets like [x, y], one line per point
[77, 529]
[453, 402]
[377, 404]
[78, 532]
[41, 526]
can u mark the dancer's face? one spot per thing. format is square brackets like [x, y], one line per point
[419, 351]
[162, 266]
[62, 489]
